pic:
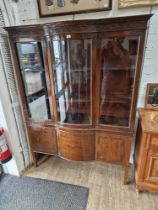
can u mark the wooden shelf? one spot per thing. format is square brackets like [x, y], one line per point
[36, 93]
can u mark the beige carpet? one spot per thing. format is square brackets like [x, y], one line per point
[105, 182]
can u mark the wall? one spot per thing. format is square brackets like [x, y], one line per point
[12, 119]
[9, 105]
[9, 124]
[150, 66]
[28, 14]
[11, 166]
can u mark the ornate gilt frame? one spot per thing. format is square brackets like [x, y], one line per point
[136, 3]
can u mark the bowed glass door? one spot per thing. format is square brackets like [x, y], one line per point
[33, 77]
[72, 68]
[118, 65]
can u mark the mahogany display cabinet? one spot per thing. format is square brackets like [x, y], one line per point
[78, 84]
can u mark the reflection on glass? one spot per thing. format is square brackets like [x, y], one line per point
[118, 65]
[72, 71]
[33, 76]
[33, 82]
[29, 55]
[38, 108]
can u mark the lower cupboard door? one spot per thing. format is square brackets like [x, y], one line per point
[110, 148]
[43, 139]
[76, 146]
[151, 172]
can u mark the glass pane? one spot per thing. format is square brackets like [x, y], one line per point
[29, 55]
[72, 71]
[118, 63]
[33, 76]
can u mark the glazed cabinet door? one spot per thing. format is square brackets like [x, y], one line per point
[36, 99]
[72, 70]
[117, 64]
[33, 78]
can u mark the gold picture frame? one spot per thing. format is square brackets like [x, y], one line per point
[69, 7]
[151, 98]
[136, 3]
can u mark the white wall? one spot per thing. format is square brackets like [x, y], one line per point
[11, 166]
[9, 124]
[28, 14]
[150, 66]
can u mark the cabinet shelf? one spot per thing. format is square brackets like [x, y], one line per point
[74, 100]
[75, 111]
[118, 69]
[116, 101]
[76, 71]
[79, 70]
[36, 93]
[32, 69]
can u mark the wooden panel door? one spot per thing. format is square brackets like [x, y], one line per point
[110, 148]
[43, 139]
[151, 171]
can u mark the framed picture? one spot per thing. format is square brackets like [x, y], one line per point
[151, 98]
[66, 7]
[136, 3]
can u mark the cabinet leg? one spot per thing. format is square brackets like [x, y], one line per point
[126, 162]
[138, 189]
[34, 156]
[126, 174]
[137, 192]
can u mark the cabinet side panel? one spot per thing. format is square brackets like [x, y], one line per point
[141, 151]
[137, 144]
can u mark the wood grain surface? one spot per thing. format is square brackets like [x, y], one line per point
[104, 181]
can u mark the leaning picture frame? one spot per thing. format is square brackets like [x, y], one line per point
[151, 98]
[69, 7]
[136, 3]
